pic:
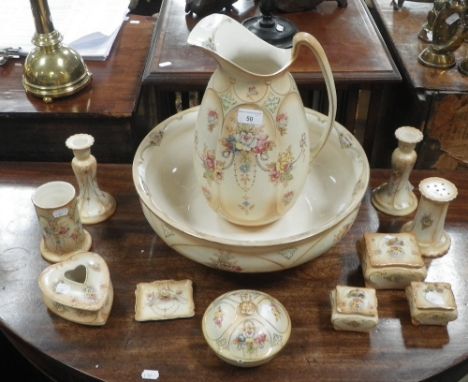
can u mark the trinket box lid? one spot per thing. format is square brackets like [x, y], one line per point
[438, 189]
[164, 300]
[356, 300]
[246, 327]
[393, 250]
[433, 296]
[81, 282]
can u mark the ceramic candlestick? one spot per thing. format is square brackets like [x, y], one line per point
[428, 224]
[396, 197]
[94, 205]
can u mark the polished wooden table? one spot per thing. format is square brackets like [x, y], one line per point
[121, 349]
[33, 130]
[434, 100]
[357, 53]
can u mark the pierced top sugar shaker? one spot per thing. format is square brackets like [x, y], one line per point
[428, 223]
[396, 197]
[94, 205]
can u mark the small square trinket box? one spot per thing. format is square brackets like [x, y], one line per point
[431, 303]
[391, 261]
[164, 300]
[354, 308]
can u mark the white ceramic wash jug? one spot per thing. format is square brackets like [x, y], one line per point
[251, 148]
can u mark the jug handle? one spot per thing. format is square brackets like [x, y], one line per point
[304, 38]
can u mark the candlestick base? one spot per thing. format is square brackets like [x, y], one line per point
[383, 200]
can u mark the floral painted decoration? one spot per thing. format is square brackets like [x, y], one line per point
[250, 340]
[213, 168]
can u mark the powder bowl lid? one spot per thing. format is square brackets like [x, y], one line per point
[246, 327]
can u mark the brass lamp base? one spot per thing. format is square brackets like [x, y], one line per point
[433, 59]
[52, 70]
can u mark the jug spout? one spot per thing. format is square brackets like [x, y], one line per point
[235, 48]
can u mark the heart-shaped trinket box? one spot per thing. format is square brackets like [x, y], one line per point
[78, 289]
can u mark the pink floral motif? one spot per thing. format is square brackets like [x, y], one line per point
[213, 118]
[62, 229]
[282, 123]
[218, 317]
[75, 236]
[249, 340]
[213, 168]
[247, 138]
[395, 247]
[357, 300]
[61, 233]
[246, 145]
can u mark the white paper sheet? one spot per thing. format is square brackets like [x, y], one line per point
[89, 26]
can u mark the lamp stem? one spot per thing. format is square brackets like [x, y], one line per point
[42, 19]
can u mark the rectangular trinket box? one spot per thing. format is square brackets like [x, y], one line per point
[354, 308]
[391, 261]
[164, 300]
[431, 303]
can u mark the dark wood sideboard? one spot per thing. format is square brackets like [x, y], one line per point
[33, 130]
[434, 100]
[362, 66]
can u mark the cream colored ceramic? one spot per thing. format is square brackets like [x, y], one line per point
[246, 327]
[396, 197]
[78, 289]
[177, 210]
[94, 205]
[429, 221]
[431, 303]
[354, 308]
[62, 233]
[251, 147]
[164, 300]
[391, 260]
